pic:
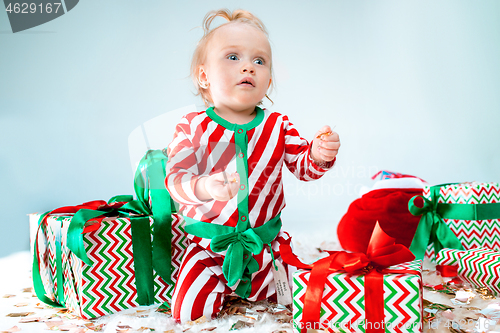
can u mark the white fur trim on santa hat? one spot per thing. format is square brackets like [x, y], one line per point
[407, 182]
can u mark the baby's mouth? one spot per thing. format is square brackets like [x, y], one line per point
[247, 82]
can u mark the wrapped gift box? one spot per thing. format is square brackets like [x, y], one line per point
[479, 267]
[471, 233]
[109, 284]
[343, 301]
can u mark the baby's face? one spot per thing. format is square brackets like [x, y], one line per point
[237, 67]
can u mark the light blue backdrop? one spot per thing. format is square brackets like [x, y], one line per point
[412, 86]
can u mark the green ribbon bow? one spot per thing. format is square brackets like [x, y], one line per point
[432, 228]
[237, 245]
[239, 264]
[149, 185]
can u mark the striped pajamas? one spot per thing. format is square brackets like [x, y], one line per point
[204, 144]
[201, 286]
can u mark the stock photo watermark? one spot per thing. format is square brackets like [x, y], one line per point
[25, 15]
[359, 324]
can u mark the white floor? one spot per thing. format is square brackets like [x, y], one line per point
[15, 282]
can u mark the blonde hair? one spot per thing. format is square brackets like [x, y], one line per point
[199, 56]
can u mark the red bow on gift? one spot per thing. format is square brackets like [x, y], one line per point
[91, 205]
[382, 252]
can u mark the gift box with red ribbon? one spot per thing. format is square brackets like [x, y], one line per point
[117, 276]
[359, 292]
[479, 267]
[461, 216]
[102, 257]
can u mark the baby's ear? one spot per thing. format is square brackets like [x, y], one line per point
[202, 77]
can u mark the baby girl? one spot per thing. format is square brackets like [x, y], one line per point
[225, 170]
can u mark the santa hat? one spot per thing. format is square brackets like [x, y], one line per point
[387, 203]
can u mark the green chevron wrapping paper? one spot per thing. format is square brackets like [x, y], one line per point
[108, 286]
[479, 267]
[448, 257]
[342, 304]
[43, 244]
[471, 233]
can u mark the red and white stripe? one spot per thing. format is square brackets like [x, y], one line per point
[201, 147]
[201, 286]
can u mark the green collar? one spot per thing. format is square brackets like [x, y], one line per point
[233, 127]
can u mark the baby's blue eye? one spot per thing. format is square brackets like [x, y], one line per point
[259, 61]
[232, 57]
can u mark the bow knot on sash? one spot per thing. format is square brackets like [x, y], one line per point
[237, 244]
[248, 239]
[238, 263]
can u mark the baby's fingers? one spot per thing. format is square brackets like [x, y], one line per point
[329, 145]
[333, 136]
[233, 178]
[327, 154]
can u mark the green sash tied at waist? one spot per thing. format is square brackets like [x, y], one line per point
[432, 228]
[239, 264]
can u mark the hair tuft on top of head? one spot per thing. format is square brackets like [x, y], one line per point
[238, 15]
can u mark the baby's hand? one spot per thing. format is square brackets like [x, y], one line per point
[326, 144]
[222, 186]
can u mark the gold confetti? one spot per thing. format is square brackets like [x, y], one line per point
[124, 327]
[42, 306]
[8, 296]
[30, 320]
[139, 314]
[68, 327]
[54, 323]
[94, 327]
[77, 330]
[21, 304]
[200, 320]
[485, 293]
[27, 290]
[12, 329]
[20, 314]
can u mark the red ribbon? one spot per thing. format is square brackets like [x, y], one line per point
[92, 205]
[447, 271]
[382, 252]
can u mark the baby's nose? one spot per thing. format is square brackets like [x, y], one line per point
[247, 69]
